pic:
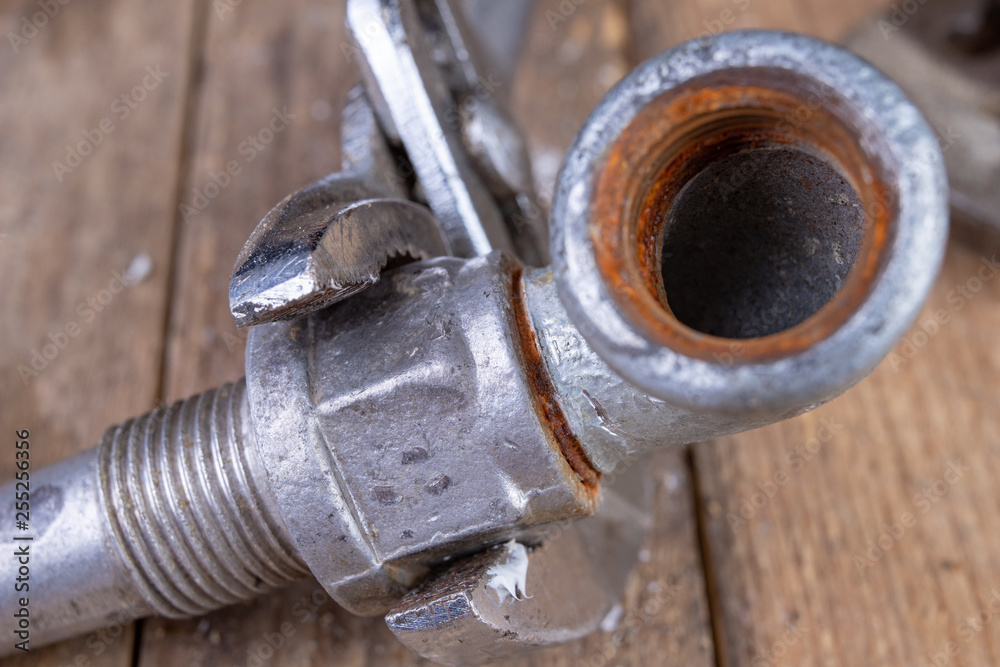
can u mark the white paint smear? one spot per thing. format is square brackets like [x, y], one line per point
[511, 576]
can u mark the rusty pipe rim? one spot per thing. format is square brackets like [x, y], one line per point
[677, 114]
[673, 139]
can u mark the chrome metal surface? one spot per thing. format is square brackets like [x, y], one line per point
[423, 369]
[419, 62]
[193, 520]
[461, 403]
[615, 422]
[334, 237]
[77, 582]
[323, 244]
[398, 63]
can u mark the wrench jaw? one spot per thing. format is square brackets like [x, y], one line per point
[319, 246]
[334, 237]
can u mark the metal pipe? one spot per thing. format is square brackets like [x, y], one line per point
[74, 580]
[170, 514]
[460, 403]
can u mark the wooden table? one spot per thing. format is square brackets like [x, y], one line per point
[817, 570]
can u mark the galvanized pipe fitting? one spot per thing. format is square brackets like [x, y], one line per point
[791, 131]
[741, 231]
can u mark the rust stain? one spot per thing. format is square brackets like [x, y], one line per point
[672, 140]
[546, 403]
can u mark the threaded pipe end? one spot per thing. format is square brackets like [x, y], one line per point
[183, 490]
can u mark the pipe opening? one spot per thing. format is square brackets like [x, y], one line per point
[748, 205]
[759, 241]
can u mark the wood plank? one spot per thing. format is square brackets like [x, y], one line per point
[795, 583]
[657, 26]
[909, 468]
[793, 562]
[66, 234]
[262, 56]
[259, 57]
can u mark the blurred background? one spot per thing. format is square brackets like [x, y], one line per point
[788, 545]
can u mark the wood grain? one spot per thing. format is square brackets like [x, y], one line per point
[877, 548]
[64, 235]
[788, 514]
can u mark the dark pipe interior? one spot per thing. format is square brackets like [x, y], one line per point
[758, 241]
